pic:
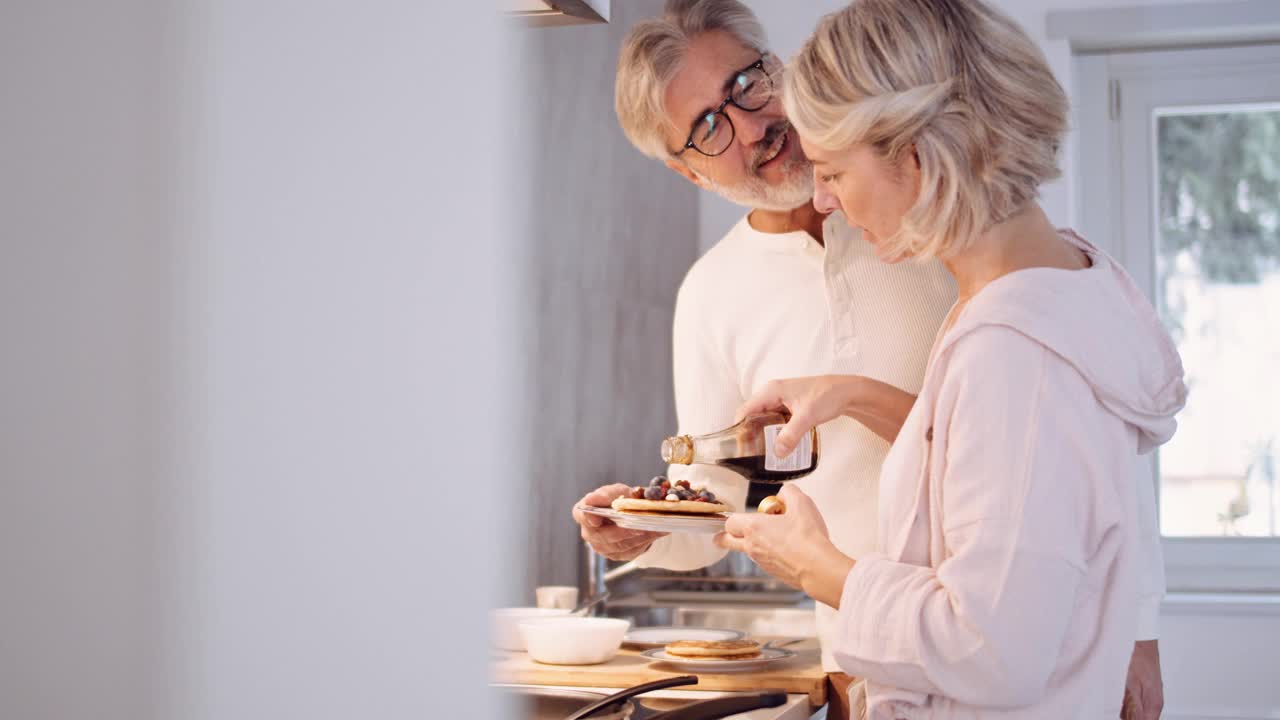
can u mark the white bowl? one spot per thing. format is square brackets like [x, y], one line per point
[504, 631]
[573, 640]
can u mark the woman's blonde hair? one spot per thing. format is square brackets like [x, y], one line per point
[653, 52]
[956, 80]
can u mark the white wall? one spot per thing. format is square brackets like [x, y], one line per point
[255, 331]
[344, 343]
[1219, 659]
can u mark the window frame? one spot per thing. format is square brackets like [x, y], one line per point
[1116, 95]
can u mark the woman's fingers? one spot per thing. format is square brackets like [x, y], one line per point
[768, 399]
[739, 524]
[784, 445]
[729, 542]
[791, 435]
[801, 505]
[797, 502]
[794, 496]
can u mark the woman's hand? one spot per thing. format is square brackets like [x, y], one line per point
[810, 400]
[793, 547]
[881, 407]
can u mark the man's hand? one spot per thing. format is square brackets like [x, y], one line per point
[611, 541]
[1143, 688]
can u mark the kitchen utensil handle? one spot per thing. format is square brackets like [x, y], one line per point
[780, 643]
[635, 690]
[585, 608]
[718, 708]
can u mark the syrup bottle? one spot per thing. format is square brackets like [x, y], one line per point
[747, 449]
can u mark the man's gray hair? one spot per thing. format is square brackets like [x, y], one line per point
[652, 53]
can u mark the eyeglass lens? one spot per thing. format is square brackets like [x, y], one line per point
[752, 89]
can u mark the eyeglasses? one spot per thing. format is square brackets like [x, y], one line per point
[750, 90]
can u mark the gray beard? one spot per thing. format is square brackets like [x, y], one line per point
[795, 190]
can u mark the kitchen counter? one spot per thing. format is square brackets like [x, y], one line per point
[801, 675]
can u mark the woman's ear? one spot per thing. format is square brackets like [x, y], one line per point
[909, 166]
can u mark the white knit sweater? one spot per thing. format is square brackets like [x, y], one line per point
[760, 306]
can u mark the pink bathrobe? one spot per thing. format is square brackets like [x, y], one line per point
[1006, 585]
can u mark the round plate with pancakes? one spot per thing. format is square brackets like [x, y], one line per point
[717, 656]
[666, 522]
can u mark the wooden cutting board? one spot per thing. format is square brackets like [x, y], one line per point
[800, 674]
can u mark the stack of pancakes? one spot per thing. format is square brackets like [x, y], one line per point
[682, 507]
[715, 650]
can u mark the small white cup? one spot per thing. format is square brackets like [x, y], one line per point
[561, 597]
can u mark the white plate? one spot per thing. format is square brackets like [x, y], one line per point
[656, 637]
[768, 656]
[697, 524]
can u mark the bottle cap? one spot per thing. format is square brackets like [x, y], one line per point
[677, 450]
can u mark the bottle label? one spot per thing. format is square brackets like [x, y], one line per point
[800, 459]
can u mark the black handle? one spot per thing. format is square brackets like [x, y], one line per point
[632, 691]
[718, 708]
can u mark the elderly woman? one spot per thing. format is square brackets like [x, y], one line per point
[1006, 578]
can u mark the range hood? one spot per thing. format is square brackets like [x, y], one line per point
[545, 13]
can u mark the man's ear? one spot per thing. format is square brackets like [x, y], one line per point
[686, 172]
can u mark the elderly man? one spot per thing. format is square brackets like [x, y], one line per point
[788, 292]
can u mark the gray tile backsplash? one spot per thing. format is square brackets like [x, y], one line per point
[610, 234]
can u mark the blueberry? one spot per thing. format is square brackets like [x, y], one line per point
[653, 493]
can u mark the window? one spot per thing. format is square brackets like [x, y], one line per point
[1217, 280]
[1179, 177]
